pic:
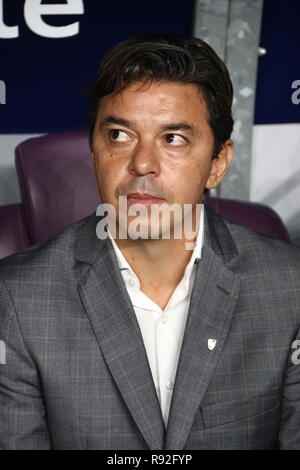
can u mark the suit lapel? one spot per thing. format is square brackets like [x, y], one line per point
[213, 300]
[113, 320]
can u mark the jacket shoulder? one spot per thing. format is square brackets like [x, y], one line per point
[55, 255]
[266, 249]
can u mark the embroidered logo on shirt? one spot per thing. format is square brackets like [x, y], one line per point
[211, 343]
[2, 352]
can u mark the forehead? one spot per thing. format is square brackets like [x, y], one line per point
[156, 102]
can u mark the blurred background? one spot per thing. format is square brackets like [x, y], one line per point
[50, 52]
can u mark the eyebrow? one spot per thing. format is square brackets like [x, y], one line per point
[172, 126]
[178, 126]
[116, 120]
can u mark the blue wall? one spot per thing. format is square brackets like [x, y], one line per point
[280, 35]
[46, 78]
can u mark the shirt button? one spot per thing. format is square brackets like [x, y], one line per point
[170, 385]
[164, 319]
[132, 282]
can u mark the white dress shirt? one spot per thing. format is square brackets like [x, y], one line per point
[162, 330]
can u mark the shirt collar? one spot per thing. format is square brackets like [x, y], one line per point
[196, 255]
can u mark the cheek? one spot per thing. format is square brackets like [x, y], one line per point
[110, 172]
[194, 171]
[190, 181]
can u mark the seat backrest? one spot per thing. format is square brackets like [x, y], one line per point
[57, 180]
[257, 217]
[13, 232]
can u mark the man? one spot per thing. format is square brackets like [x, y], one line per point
[141, 342]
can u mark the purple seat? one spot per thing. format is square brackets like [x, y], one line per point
[257, 217]
[57, 182]
[59, 187]
[13, 231]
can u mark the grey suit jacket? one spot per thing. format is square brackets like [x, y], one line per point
[77, 376]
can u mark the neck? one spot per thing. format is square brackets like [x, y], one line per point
[159, 263]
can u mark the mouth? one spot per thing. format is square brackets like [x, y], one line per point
[143, 198]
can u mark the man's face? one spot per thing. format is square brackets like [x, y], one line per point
[153, 139]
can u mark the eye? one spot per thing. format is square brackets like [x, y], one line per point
[175, 139]
[117, 135]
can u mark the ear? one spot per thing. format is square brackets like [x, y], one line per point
[220, 165]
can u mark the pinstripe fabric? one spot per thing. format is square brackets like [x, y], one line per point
[77, 375]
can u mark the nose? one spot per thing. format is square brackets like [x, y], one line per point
[144, 160]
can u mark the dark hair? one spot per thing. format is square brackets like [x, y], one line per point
[167, 59]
